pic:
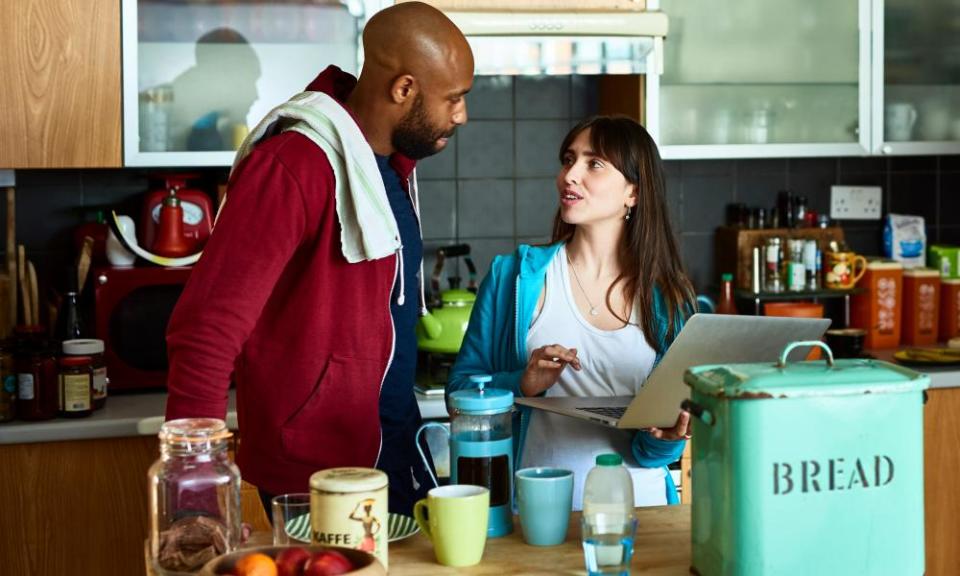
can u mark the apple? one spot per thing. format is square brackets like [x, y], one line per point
[327, 563]
[290, 561]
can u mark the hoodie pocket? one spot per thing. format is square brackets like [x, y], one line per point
[339, 424]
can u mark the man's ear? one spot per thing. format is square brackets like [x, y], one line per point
[403, 89]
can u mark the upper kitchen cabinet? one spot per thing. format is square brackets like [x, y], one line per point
[918, 100]
[60, 102]
[764, 78]
[198, 74]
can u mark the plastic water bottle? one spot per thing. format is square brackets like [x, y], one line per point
[608, 522]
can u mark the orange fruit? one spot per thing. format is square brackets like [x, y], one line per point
[256, 564]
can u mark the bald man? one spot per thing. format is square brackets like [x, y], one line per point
[321, 347]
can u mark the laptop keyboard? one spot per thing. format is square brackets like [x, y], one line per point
[610, 411]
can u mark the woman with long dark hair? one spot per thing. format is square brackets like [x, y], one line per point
[591, 313]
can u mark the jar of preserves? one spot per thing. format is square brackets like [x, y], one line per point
[94, 349]
[37, 374]
[76, 386]
[194, 496]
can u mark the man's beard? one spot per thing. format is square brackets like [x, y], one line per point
[414, 137]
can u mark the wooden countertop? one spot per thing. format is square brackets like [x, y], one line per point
[662, 546]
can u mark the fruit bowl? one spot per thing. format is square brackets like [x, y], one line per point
[364, 564]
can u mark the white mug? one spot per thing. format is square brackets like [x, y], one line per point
[899, 119]
[935, 121]
[117, 253]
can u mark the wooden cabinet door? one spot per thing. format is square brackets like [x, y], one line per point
[60, 102]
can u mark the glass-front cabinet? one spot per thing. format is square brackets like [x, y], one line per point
[918, 76]
[765, 78]
[199, 74]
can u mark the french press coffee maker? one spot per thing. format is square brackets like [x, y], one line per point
[481, 447]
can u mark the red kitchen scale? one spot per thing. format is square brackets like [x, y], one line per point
[197, 211]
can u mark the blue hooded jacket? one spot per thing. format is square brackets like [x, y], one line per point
[496, 344]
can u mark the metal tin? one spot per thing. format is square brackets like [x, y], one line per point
[348, 507]
[796, 458]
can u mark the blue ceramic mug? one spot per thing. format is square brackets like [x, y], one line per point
[544, 499]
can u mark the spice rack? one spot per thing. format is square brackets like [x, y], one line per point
[812, 295]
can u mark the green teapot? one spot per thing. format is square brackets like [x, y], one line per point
[442, 329]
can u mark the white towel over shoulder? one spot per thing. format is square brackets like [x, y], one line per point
[368, 229]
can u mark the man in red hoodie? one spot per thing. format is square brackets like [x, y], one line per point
[323, 351]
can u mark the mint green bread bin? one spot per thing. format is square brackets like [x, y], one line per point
[807, 468]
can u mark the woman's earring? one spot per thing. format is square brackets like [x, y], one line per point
[627, 217]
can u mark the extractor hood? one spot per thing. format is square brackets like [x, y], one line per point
[561, 41]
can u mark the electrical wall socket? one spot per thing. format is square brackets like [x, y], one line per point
[856, 202]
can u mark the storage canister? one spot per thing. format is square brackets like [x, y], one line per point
[38, 378]
[348, 507]
[76, 386]
[949, 309]
[878, 309]
[921, 306]
[807, 467]
[94, 349]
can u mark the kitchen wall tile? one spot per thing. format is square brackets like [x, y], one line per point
[538, 145]
[484, 249]
[860, 165]
[485, 209]
[709, 168]
[813, 178]
[704, 201]
[761, 166]
[584, 92]
[485, 149]
[914, 194]
[491, 98]
[950, 163]
[865, 241]
[443, 164]
[48, 206]
[536, 205]
[543, 97]
[698, 260]
[121, 189]
[759, 189]
[674, 198]
[672, 168]
[949, 199]
[438, 208]
[949, 235]
[913, 164]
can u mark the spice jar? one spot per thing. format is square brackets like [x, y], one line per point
[348, 507]
[94, 349]
[37, 374]
[194, 496]
[76, 386]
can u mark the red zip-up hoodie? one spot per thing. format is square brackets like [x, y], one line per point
[307, 336]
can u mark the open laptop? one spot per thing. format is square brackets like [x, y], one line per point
[705, 339]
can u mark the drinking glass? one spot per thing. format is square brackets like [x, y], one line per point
[608, 543]
[291, 519]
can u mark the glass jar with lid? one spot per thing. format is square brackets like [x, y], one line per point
[194, 495]
[94, 349]
[76, 386]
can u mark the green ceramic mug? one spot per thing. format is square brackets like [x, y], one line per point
[456, 522]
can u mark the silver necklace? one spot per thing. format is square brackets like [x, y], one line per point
[593, 309]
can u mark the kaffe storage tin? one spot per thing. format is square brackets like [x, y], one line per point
[348, 507]
[808, 468]
[878, 310]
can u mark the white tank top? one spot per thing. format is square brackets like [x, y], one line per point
[613, 363]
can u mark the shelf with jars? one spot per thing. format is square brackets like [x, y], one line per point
[198, 74]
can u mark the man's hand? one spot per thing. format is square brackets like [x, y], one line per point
[544, 367]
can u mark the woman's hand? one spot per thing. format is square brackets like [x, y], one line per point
[680, 430]
[544, 367]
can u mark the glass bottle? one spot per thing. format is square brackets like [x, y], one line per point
[194, 495]
[69, 322]
[726, 304]
[37, 374]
